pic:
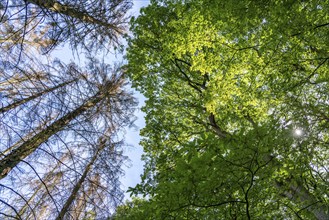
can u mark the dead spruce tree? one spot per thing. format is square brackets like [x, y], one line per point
[83, 120]
[43, 25]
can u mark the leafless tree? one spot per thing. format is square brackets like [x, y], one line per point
[84, 116]
[42, 25]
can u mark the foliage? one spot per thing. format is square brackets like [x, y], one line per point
[228, 83]
[135, 209]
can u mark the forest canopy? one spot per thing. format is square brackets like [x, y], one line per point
[236, 112]
[237, 105]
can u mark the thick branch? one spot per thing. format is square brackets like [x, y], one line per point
[220, 133]
[194, 85]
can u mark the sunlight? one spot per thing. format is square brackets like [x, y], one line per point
[298, 131]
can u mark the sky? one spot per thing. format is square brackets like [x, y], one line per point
[134, 167]
[132, 173]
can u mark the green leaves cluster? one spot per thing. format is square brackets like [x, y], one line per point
[227, 83]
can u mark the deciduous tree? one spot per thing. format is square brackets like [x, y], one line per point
[228, 83]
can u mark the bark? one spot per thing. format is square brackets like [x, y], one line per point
[68, 10]
[23, 101]
[29, 146]
[82, 179]
[297, 193]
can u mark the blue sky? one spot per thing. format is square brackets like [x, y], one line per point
[134, 168]
[132, 173]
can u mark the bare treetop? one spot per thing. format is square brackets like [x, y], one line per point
[43, 25]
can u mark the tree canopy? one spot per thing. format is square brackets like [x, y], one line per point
[236, 112]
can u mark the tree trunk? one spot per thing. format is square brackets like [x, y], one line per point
[25, 138]
[72, 12]
[29, 146]
[297, 193]
[22, 101]
[77, 187]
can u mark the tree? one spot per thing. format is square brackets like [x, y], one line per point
[228, 83]
[40, 192]
[65, 118]
[31, 96]
[93, 25]
[53, 114]
[73, 196]
[29, 146]
[135, 209]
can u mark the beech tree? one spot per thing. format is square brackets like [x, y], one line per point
[236, 110]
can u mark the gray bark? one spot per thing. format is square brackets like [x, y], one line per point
[29, 146]
[300, 195]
